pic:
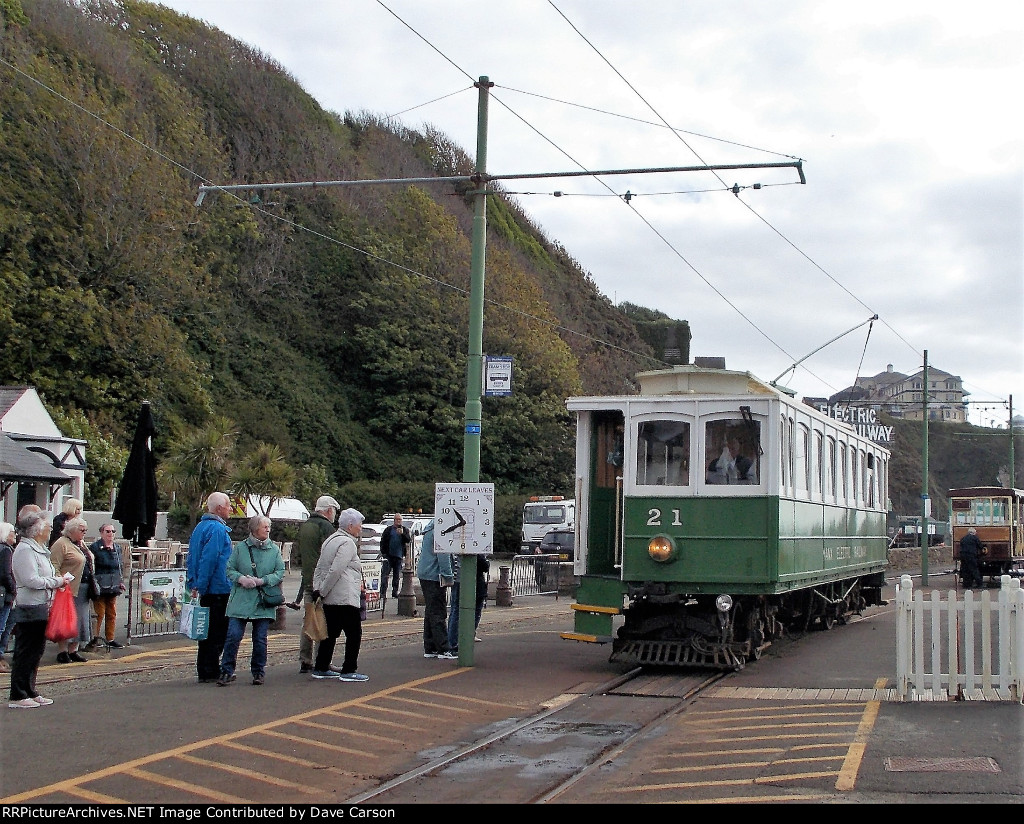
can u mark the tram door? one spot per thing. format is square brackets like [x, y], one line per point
[607, 452]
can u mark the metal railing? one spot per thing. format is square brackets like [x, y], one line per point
[536, 575]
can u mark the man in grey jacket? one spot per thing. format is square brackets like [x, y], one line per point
[436, 575]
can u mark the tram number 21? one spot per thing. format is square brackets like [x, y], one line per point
[654, 518]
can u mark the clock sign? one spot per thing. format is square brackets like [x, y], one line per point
[464, 518]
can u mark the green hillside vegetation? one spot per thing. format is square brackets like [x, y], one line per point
[320, 332]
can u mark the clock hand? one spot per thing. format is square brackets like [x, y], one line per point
[453, 527]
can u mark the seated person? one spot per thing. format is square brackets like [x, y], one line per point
[731, 467]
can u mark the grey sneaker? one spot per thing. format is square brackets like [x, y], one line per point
[449, 656]
[430, 655]
[353, 676]
[325, 674]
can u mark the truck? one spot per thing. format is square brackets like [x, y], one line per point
[905, 531]
[541, 514]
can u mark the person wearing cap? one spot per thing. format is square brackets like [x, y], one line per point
[338, 582]
[312, 534]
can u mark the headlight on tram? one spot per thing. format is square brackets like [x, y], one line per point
[723, 602]
[661, 549]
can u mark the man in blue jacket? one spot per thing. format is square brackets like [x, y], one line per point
[206, 578]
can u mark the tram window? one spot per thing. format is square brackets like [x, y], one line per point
[800, 466]
[829, 466]
[999, 512]
[784, 452]
[843, 471]
[816, 470]
[732, 451]
[869, 486]
[663, 453]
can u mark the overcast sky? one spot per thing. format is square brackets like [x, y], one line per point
[905, 113]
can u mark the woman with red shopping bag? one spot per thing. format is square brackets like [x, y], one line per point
[69, 554]
[37, 581]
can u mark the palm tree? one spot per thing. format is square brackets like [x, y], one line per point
[199, 462]
[264, 476]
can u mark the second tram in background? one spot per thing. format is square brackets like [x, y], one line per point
[714, 512]
[997, 514]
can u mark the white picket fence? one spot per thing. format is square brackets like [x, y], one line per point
[969, 649]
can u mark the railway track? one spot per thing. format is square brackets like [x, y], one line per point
[540, 758]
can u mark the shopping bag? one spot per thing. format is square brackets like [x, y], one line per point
[62, 624]
[314, 622]
[195, 621]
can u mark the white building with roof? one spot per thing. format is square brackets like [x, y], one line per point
[38, 464]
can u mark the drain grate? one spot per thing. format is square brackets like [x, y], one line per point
[981, 764]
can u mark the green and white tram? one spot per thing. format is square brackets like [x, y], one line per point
[714, 512]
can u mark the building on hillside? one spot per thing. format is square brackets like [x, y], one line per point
[38, 464]
[901, 396]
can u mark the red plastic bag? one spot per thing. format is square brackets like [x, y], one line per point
[63, 622]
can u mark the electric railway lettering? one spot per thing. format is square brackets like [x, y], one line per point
[865, 421]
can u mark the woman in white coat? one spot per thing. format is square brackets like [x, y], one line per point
[338, 581]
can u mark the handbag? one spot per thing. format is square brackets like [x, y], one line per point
[195, 621]
[109, 583]
[62, 624]
[314, 622]
[268, 597]
[362, 605]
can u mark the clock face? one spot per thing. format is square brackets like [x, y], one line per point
[464, 518]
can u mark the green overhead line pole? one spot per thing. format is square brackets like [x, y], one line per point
[925, 501]
[474, 373]
[1013, 467]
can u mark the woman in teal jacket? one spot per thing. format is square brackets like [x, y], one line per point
[244, 602]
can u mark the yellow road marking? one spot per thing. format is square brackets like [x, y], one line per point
[133, 767]
[288, 759]
[848, 774]
[96, 798]
[247, 773]
[313, 742]
[194, 789]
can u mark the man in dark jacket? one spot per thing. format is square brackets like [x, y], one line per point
[394, 543]
[312, 534]
[970, 551]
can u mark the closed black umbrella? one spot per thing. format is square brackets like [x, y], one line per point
[135, 507]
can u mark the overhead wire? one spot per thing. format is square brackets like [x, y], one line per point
[696, 154]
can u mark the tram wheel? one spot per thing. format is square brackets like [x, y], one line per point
[828, 619]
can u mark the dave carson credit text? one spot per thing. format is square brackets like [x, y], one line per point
[296, 813]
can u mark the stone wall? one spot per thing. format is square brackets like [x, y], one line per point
[941, 555]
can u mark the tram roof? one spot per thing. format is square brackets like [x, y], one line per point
[695, 380]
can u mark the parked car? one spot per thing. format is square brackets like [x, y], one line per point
[369, 541]
[561, 542]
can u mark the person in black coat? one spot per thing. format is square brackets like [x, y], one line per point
[394, 544]
[110, 585]
[970, 550]
[72, 509]
[8, 587]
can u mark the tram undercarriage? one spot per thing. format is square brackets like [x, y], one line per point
[664, 628]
